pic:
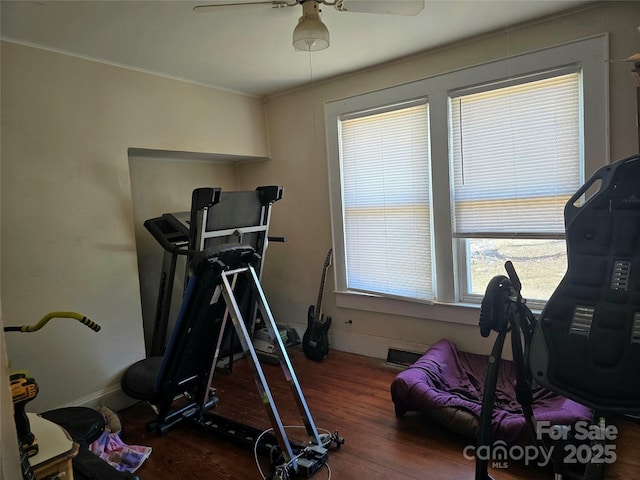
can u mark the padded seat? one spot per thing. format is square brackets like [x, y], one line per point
[139, 381]
[587, 343]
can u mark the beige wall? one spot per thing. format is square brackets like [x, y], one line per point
[68, 228]
[9, 459]
[296, 126]
[160, 185]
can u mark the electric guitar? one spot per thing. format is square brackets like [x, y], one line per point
[315, 341]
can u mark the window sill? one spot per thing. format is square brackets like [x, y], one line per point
[463, 313]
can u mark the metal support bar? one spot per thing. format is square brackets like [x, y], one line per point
[285, 363]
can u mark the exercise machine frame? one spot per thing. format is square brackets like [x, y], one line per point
[184, 233]
[225, 285]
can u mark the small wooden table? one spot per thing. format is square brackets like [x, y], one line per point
[55, 450]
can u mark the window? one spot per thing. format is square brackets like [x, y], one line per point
[386, 201]
[516, 159]
[437, 182]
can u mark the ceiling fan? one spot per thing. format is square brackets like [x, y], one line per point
[311, 34]
[634, 58]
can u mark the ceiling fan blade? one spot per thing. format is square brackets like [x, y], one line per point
[635, 58]
[230, 6]
[387, 7]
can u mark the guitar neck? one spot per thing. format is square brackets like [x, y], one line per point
[317, 313]
[318, 309]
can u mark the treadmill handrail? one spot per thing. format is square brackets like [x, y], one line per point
[152, 227]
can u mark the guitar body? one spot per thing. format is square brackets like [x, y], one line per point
[315, 341]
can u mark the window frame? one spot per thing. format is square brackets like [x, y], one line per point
[590, 54]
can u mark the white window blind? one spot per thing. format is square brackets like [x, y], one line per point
[516, 157]
[386, 201]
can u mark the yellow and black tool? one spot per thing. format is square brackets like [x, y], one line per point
[24, 388]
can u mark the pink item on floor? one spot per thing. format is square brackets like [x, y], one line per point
[122, 457]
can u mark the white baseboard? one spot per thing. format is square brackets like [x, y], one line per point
[111, 396]
[367, 345]
[370, 345]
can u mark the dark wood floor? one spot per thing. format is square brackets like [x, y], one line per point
[346, 392]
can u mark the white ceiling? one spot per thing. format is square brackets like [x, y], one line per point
[249, 50]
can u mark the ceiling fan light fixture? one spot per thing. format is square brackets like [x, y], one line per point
[310, 35]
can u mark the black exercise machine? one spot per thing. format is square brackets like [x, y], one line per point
[224, 282]
[586, 345]
[215, 217]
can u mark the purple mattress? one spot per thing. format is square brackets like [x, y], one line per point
[447, 384]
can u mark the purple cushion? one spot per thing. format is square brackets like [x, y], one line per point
[448, 384]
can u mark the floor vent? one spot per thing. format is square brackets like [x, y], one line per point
[401, 357]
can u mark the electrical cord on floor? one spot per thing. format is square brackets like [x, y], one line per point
[327, 438]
